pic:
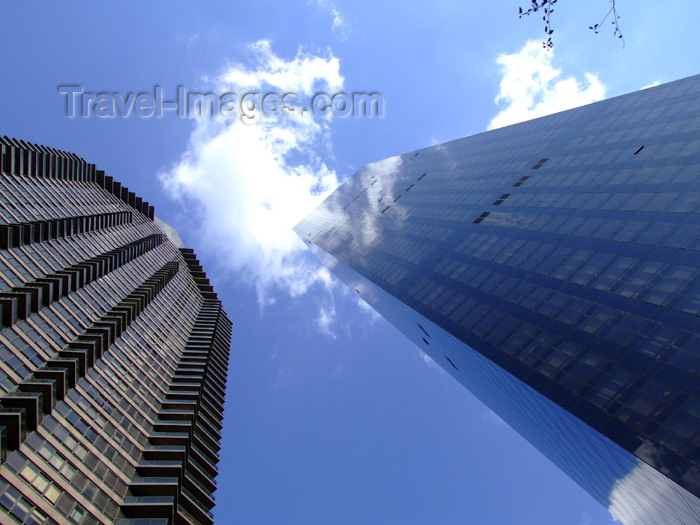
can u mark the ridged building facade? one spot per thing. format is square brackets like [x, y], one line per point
[553, 268]
[113, 352]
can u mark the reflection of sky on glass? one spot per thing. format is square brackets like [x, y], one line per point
[522, 253]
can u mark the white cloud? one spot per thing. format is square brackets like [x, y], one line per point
[653, 84]
[339, 23]
[304, 74]
[189, 40]
[249, 184]
[326, 318]
[338, 20]
[532, 87]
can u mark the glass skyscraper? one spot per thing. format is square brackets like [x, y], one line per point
[113, 352]
[553, 268]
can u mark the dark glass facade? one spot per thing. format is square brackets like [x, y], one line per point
[113, 352]
[552, 267]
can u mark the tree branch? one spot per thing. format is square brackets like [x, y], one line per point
[546, 7]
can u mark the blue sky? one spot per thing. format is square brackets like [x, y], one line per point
[332, 417]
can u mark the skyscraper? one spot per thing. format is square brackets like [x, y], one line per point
[553, 268]
[113, 352]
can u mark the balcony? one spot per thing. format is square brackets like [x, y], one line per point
[58, 376]
[164, 453]
[172, 425]
[200, 491]
[154, 486]
[149, 507]
[45, 387]
[29, 402]
[159, 469]
[200, 474]
[192, 505]
[169, 438]
[179, 415]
